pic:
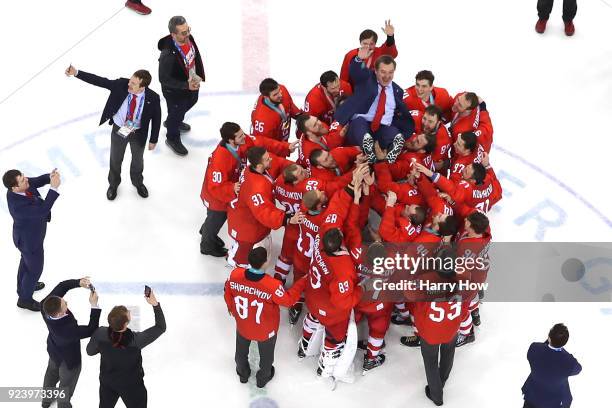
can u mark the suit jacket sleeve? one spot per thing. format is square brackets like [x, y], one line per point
[39, 181]
[94, 321]
[148, 336]
[166, 63]
[63, 287]
[155, 121]
[358, 71]
[576, 368]
[95, 80]
[24, 210]
[92, 347]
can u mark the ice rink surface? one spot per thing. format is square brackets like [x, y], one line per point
[549, 100]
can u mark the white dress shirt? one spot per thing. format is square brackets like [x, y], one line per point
[389, 107]
[119, 117]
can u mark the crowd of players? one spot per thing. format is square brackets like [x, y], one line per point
[362, 176]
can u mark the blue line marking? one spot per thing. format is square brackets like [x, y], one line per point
[165, 288]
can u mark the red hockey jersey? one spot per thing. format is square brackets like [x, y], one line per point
[328, 142]
[224, 167]
[478, 121]
[378, 51]
[481, 197]
[320, 104]
[268, 122]
[443, 137]
[458, 163]
[439, 97]
[345, 159]
[333, 288]
[254, 304]
[437, 322]
[254, 213]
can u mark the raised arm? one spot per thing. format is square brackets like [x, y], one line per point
[143, 339]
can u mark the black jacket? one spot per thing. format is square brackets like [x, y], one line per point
[64, 339]
[151, 111]
[121, 360]
[173, 75]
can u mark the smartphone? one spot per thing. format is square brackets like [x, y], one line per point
[92, 287]
[147, 291]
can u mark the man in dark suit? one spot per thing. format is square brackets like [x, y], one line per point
[64, 339]
[547, 385]
[130, 107]
[30, 217]
[376, 110]
[180, 73]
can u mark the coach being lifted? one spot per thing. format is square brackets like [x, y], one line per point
[375, 111]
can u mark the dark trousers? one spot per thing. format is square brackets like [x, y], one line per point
[211, 227]
[359, 127]
[528, 405]
[266, 357]
[133, 395]
[437, 371]
[66, 377]
[178, 105]
[569, 9]
[30, 269]
[117, 151]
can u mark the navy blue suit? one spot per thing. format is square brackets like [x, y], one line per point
[547, 385]
[65, 334]
[151, 111]
[365, 91]
[30, 218]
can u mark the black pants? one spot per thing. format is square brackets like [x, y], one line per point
[437, 372]
[117, 151]
[67, 378]
[528, 405]
[29, 271]
[569, 9]
[211, 227]
[178, 105]
[133, 396]
[266, 357]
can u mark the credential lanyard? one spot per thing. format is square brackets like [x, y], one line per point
[280, 111]
[180, 50]
[138, 112]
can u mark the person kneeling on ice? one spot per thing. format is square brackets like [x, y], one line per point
[252, 298]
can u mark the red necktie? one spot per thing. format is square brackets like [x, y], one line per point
[380, 109]
[130, 115]
[29, 194]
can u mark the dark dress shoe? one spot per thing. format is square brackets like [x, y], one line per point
[142, 191]
[428, 394]
[177, 147]
[39, 286]
[111, 193]
[243, 379]
[220, 243]
[216, 252]
[262, 383]
[183, 127]
[29, 304]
